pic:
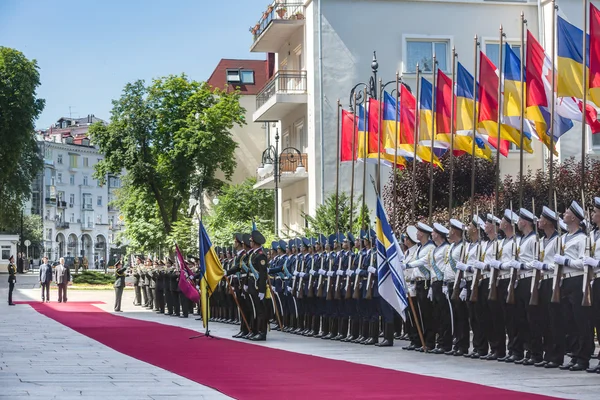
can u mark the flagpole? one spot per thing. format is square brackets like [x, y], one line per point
[353, 160]
[583, 120]
[522, 111]
[378, 171]
[394, 219]
[497, 188]
[416, 141]
[337, 170]
[365, 157]
[452, 105]
[475, 119]
[433, 88]
[552, 102]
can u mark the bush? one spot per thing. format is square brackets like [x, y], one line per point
[93, 278]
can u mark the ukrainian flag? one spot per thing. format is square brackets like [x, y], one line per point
[363, 142]
[569, 60]
[210, 268]
[426, 118]
[390, 276]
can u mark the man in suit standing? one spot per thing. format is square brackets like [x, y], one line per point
[12, 279]
[62, 276]
[45, 279]
[119, 284]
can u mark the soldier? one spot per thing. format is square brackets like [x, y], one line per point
[292, 266]
[576, 320]
[276, 269]
[119, 284]
[370, 294]
[593, 261]
[441, 306]
[85, 263]
[137, 301]
[147, 280]
[460, 317]
[76, 264]
[345, 309]
[152, 276]
[174, 289]
[259, 264]
[159, 287]
[167, 288]
[312, 267]
[350, 302]
[235, 272]
[12, 278]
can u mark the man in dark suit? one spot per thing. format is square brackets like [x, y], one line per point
[62, 276]
[119, 284]
[12, 279]
[45, 279]
[260, 263]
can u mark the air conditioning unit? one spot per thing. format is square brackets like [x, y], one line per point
[78, 220]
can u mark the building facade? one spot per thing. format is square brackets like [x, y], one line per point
[321, 49]
[77, 214]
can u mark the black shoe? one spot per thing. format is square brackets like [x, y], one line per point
[566, 367]
[490, 357]
[420, 349]
[459, 353]
[470, 355]
[183, 316]
[437, 350]
[503, 358]
[512, 359]
[328, 336]
[521, 361]
[409, 347]
[540, 364]
[11, 304]
[248, 335]
[552, 364]
[370, 341]
[259, 337]
[359, 339]
[530, 361]
[579, 367]
[594, 370]
[384, 343]
[238, 335]
[450, 352]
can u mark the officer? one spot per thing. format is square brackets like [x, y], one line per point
[345, 307]
[174, 289]
[278, 269]
[119, 284]
[12, 278]
[236, 272]
[259, 264]
[136, 281]
[442, 323]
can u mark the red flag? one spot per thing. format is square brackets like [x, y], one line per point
[534, 67]
[347, 152]
[594, 47]
[488, 99]
[373, 122]
[443, 103]
[186, 287]
[408, 106]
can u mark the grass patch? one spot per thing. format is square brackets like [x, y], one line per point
[93, 278]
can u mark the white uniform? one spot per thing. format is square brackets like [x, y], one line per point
[420, 264]
[506, 256]
[490, 253]
[527, 253]
[454, 254]
[574, 249]
[438, 260]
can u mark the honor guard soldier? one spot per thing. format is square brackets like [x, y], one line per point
[331, 311]
[238, 275]
[314, 250]
[369, 295]
[460, 316]
[340, 282]
[136, 281]
[438, 259]
[592, 260]
[420, 277]
[325, 277]
[159, 291]
[174, 289]
[259, 263]
[410, 243]
[279, 270]
[119, 284]
[350, 302]
[292, 266]
[570, 269]
[12, 279]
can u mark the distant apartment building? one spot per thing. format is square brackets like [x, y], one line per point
[78, 219]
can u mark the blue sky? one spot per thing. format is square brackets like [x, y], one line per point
[88, 50]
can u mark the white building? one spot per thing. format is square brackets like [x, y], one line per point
[77, 218]
[321, 49]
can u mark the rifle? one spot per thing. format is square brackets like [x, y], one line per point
[537, 277]
[556, 281]
[311, 289]
[493, 286]
[459, 274]
[510, 296]
[330, 282]
[299, 289]
[588, 272]
[349, 291]
[369, 294]
[295, 278]
[320, 281]
[475, 285]
[338, 293]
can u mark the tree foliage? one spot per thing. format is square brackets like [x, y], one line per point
[19, 108]
[171, 137]
[324, 220]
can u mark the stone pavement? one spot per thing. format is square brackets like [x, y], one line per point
[41, 358]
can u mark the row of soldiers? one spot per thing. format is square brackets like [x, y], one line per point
[522, 284]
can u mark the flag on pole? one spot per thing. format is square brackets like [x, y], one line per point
[253, 225]
[185, 285]
[210, 269]
[390, 277]
[349, 137]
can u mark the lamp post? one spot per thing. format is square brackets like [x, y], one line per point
[270, 162]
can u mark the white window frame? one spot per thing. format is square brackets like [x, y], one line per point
[59, 159]
[99, 201]
[297, 142]
[85, 180]
[300, 202]
[286, 215]
[59, 177]
[233, 72]
[72, 179]
[424, 38]
[494, 40]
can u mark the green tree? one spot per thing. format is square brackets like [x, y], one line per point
[171, 137]
[324, 220]
[19, 108]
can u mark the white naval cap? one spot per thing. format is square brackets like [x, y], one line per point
[478, 222]
[456, 224]
[510, 216]
[493, 219]
[577, 210]
[563, 225]
[441, 229]
[526, 215]
[549, 214]
[597, 202]
[424, 228]
[411, 231]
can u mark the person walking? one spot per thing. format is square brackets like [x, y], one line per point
[45, 279]
[62, 276]
[12, 279]
[119, 284]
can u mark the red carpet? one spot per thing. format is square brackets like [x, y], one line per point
[246, 371]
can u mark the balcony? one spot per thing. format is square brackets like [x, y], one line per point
[288, 164]
[87, 207]
[61, 204]
[87, 227]
[62, 225]
[279, 21]
[284, 92]
[50, 201]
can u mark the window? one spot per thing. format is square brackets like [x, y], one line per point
[286, 215]
[49, 234]
[85, 180]
[72, 160]
[248, 77]
[596, 142]
[233, 76]
[48, 154]
[492, 51]
[73, 217]
[421, 52]
[59, 160]
[85, 162]
[300, 137]
[59, 177]
[300, 218]
[99, 218]
[99, 200]
[72, 180]
[87, 201]
[71, 200]
[5, 252]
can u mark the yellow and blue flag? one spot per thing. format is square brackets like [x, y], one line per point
[569, 60]
[210, 270]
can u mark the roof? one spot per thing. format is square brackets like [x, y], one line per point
[218, 78]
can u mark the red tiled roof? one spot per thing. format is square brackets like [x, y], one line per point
[218, 78]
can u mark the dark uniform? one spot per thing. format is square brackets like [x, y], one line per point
[12, 279]
[119, 284]
[259, 263]
[237, 274]
[136, 282]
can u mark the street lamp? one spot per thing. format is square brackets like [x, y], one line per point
[270, 163]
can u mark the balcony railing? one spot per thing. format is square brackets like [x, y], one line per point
[288, 163]
[278, 10]
[289, 82]
[62, 225]
[61, 204]
[86, 207]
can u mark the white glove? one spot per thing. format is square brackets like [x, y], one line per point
[261, 296]
[445, 290]
[479, 265]
[295, 273]
[245, 288]
[560, 260]
[538, 265]
[312, 272]
[589, 261]
[430, 294]
[197, 287]
[408, 266]
[322, 272]
[514, 264]
[329, 273]
[495, 264]
[462, 267]
[289, 288]
[372, 270]
[302, 274]
[412, 290]
[349, 272]
[339, 272]
[463, 295]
